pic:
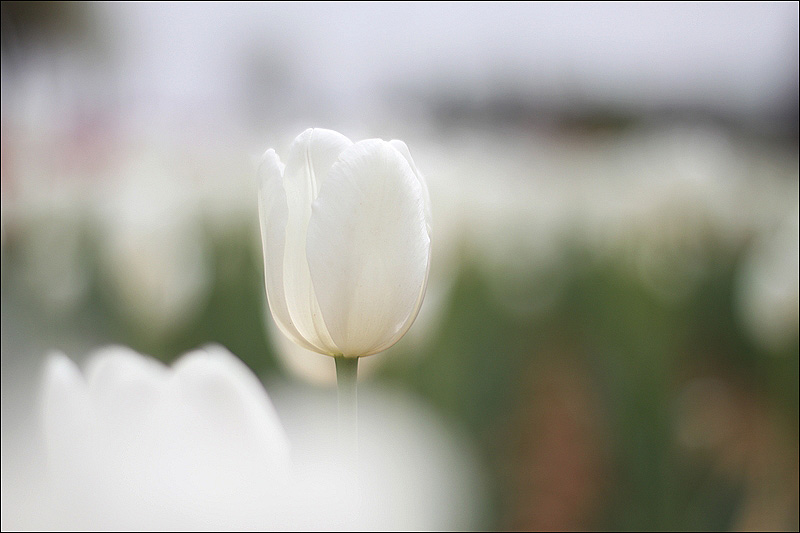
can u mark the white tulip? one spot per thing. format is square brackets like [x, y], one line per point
[134, 444]
[125, 442]
[346, 234]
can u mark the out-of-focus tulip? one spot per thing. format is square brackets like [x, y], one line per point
[154, 255]
[769, 290]
[347, 242]
[130, 443]
[146, 446]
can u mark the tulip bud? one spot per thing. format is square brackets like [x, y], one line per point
[346, 233]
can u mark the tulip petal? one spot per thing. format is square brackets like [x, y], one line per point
[310, 157]
[273, 213]
[368, 247]
[410, 320]
[66, 410]
[401, 147]
[127, 391]
[218, 391]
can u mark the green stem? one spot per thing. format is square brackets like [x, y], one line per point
[346, 379]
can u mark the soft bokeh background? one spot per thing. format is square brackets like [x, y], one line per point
[612, 318]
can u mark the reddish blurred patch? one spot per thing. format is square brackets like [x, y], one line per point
[558, 462]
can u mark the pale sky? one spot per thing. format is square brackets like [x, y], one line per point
[739, 58]
[738, 52]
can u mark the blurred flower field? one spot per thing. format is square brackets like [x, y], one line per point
[613, 324]
[610, 331]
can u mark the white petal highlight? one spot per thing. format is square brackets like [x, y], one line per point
[368, 247]
[401, 147]
[273, 213]
[413, 316]
[310, 158]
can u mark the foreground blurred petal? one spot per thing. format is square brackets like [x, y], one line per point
[214, 383]
[126, 390]
[66, 410]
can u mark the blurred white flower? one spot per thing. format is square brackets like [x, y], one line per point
[133, 444]
[154, 253]
[143, 445]
[769, 286]
[346, 233]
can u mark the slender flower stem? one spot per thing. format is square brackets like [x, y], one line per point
[346, 378]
